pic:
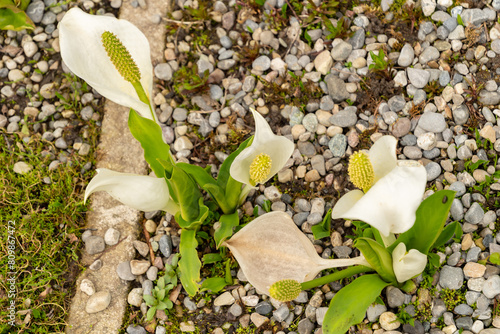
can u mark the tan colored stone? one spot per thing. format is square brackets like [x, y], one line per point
[475, 270]
[467, 241]
[389, 321]
[488, 133]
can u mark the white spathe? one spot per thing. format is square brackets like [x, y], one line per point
[278, 148]
[141, 192]
[83, 53]
[407, 264]
[390, 204]
[271, 248]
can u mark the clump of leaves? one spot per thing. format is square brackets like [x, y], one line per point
[452, 298]
[381, 66]
[293, 91]
[340, 30]
[187, 82]
[248, 53]
[159, 298]
[433, 88]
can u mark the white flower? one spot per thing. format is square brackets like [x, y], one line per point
[391, 195]
[407, 264]
[271, 248]
[141, 192]
[83, 52]
[264, 158]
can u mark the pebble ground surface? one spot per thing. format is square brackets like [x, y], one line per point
[439, 96]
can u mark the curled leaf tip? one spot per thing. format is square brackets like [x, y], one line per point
[260, 168]
[285, 290]
[120, 57]
[361, 171]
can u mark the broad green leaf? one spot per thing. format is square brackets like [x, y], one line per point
[232, 195]
[149, 134]
[189, 264]
[196, 222]
[447, 234]
[224, 176]
[211, 258]
[378, 257]
[22, 4]
[227, 223]
[186, 193]
[431, 217]
[151, 313]
[322, 230]
[218, 195]
[213, 284]
[348, 306]
[13, 18]
[199, 174]
[150, 300]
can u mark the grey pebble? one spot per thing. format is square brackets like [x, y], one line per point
[451, 277]
[94, 244]
[433, 170]
[165, 245]
[338, 145]
[124, 272]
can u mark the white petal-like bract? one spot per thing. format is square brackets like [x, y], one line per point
[407, 265]
[82, 51]
[278, 148]
[272, 248]
[140, 192]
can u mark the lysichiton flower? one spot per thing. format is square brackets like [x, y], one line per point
[140, 192]
[111, 55]
[271, 248]
[391, 190]
[267, 154]
[407, 264]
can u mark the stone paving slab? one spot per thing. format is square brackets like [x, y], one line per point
[119, 151]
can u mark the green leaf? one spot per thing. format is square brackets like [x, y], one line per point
[150, 300]
[260, 2]
[378, 257]
[161, 294]
[151, 313]
[348, 306]
[161, 283]
[213, 284]
[322, 230]
[161, 305]
[211, 258]
[189, 264]
[451, 229]
[208, 183]
[196, 222]
[227, 223]
[433, 260]
[229, 277]
[13, 18]
[186, 193]
[224, 174]
[149, 134]
[495, 258]
[459, 20]
[431, 217]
